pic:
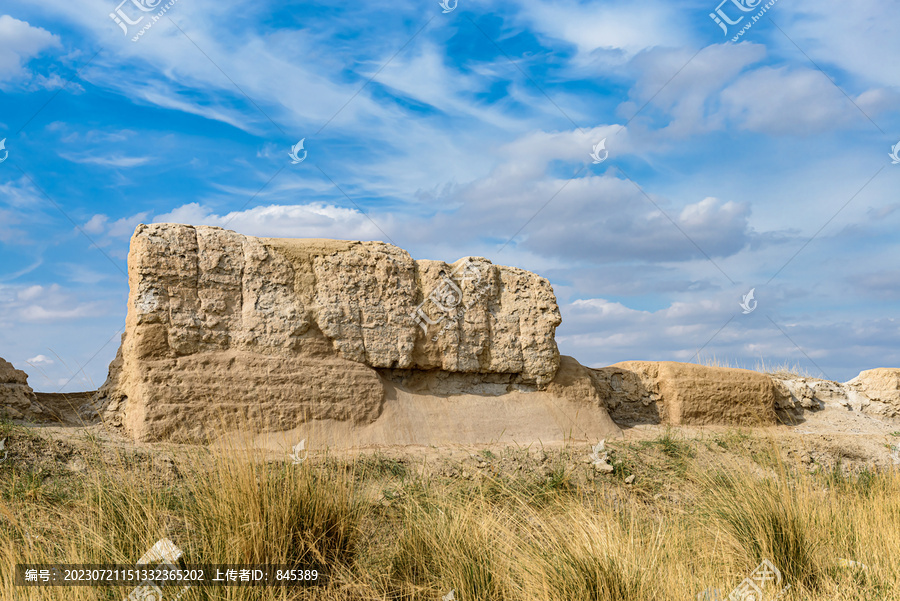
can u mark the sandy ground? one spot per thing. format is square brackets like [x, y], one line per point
[834, 435]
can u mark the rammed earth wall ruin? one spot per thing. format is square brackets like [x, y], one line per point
[268, 333]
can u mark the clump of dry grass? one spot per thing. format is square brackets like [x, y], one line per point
[581, 554]
[391, 533]
[784, 369]
[449, 546]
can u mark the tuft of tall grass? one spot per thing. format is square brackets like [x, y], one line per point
[783, 369]
[449, 546]
[770, 516]
[581, 555]
[248, 510]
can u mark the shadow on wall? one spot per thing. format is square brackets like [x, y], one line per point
[630, 400]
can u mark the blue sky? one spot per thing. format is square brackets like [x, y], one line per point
[759, 163]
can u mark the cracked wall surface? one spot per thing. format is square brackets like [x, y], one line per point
[271, 332]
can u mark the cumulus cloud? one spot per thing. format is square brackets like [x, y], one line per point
[593, 218]
[44, 304]
[637, 230]
[800, 101]
[19, 43]
[314, 220]
[680, 83]
[600, 332]
[612, 30]
[40, 360]
[724, 86]
[100, 225]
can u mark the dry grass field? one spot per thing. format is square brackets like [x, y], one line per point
[679, 518]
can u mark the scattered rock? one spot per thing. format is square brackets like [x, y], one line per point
[629, 479]
[877, 391]
[604, 468]
[874, 391]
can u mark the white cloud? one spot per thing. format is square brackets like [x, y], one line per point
[680, 83]
[615, 27]
[315, 220]
[124, 227]
[30, 293]
[105, 233]
[20, 194]
[722, 88]
[54, 82]
[96, 225]
[596, 217]
[42, 313]
[857, 39]
[37, 303]
[40, 360]
[801, 101]
[107, 161]
[19, 43]
[600, 332]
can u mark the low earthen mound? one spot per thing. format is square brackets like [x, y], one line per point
[674, 393]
